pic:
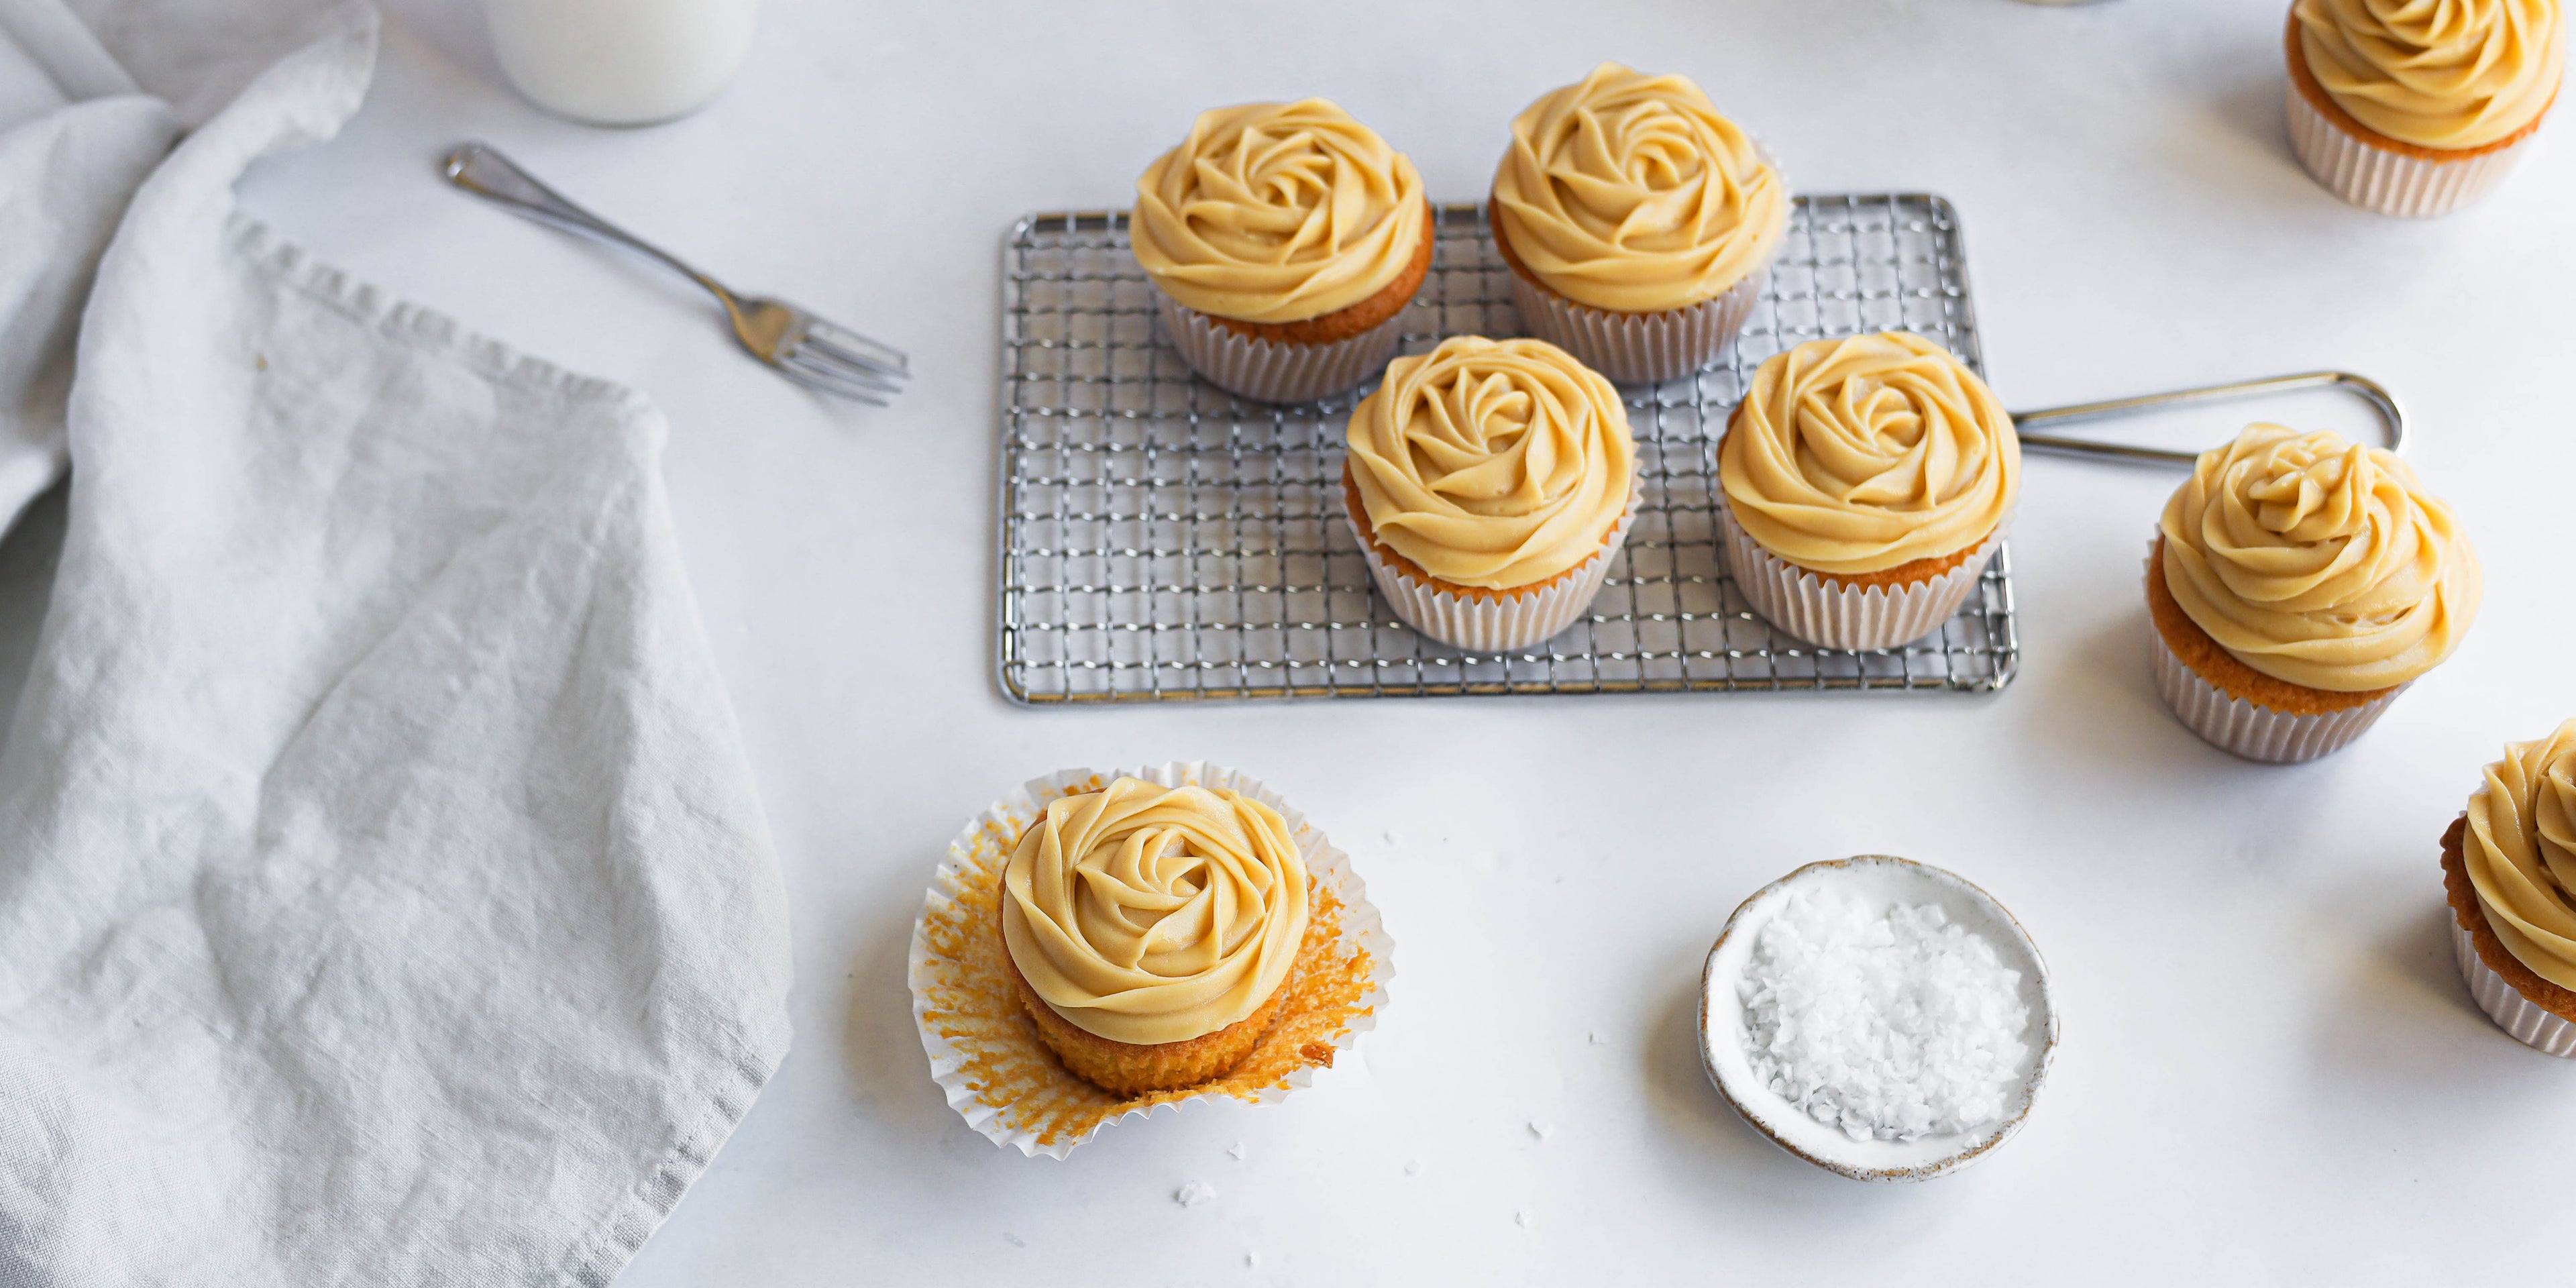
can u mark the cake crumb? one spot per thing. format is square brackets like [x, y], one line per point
[1237, 1151]
[1193, 1194]
[1541, 1128]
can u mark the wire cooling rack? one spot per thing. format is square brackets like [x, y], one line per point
[1162, 540]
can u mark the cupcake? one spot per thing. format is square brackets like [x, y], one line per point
[2510, 867]
[1154, 903]
[1489, 483]
[1150, 928]
[1283, 241]
[1866, 483]
[2412, 108]
[2297, 584]
[1638, 223]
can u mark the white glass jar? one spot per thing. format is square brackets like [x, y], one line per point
[621, 62]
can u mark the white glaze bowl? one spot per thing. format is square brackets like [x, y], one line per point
[1880, 880]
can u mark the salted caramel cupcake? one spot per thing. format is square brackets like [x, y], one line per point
[2509, 865]
[2298, 583]
[1150, 929]
[1638, 223]
[1489, 483]
[1866, 484]
[1283, 241]
[2411, 108]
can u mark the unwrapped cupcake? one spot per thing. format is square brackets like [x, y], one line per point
[2410, 107]
[2298, 584]
[1150, 928]
[1638, 223]
[1283, 240]
[2509, 865]
[1867, 483]
[1100, 946]
[1489, 483]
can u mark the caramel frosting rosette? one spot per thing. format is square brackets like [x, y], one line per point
[1492, 463]
[2319, 562]
[1856, 456]
[1278, 212]
[1144, 915]
[2520, 853]
[1629, 193]
[2442, 74]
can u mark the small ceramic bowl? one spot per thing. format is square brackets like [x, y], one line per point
[1881, 880]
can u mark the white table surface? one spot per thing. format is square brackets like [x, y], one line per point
[2270, 1069]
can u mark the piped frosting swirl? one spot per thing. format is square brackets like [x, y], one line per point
[1278, 212]
[1493, 464]
[2521, 853]
[1145, 914]
[2318, 561]
[2443, 74]
[1854, 456]
[1629, 193]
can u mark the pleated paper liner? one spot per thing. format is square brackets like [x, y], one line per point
[1841, 615]
[2250, 729]
[2392, 183]
[1494, 624]
[2531, 1024]
[1267, 371]
[1639, 348]
[985, 1052]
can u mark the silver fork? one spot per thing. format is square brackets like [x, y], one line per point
[804, 348]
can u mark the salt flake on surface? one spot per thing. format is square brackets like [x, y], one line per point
[1890, 1026]
[1193, 1194]
[1237, 1151]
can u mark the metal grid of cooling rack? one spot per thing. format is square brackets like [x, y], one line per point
[1162, 540]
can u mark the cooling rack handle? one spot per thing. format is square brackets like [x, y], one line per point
[2392, 417]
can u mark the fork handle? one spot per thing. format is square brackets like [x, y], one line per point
[2391, 415]
[479, 168]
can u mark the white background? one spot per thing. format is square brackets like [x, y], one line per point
[2270, 1069]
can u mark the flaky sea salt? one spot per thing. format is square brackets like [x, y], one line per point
[1891, 1025]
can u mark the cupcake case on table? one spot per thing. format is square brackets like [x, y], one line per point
[991, 1065]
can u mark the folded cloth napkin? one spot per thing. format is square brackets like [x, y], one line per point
[76, 138]
[383, 894]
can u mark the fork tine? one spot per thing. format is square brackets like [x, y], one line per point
[842, 342]
[829, 388]
[840, 359]
[824, 362]
[824, 382]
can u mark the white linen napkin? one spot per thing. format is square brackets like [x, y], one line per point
[383, 894]
[76, 138]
